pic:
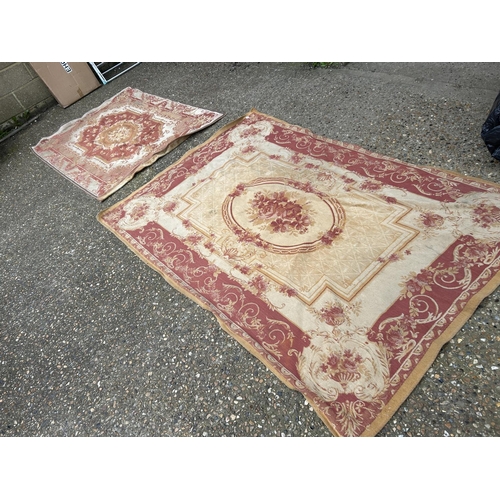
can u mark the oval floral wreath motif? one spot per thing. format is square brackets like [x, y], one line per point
[282, 215]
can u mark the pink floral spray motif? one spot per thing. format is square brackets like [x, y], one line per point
[139, 211]
[487, 215]
[279, 212]
[347, 365]
[333, 315]
[343, 366]
[417, 284]
[431, 220]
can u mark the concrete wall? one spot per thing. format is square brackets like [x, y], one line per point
[22, 95]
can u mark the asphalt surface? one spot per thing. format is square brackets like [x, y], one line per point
[93, 342]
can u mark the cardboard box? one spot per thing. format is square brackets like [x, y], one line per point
[68, 82]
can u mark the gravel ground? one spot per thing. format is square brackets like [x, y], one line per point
[93, 342]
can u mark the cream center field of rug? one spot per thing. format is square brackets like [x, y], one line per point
[342, 270]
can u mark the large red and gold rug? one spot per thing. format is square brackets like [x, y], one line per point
[101, 151]
[342, 270]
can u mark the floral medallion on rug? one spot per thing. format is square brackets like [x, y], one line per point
[101, 151]
[342, 270]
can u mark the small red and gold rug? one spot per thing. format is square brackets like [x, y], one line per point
[342, 270]
[101, 151]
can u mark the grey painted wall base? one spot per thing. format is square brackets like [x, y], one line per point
[23, 95]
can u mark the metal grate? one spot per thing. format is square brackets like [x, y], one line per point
[107, 71]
